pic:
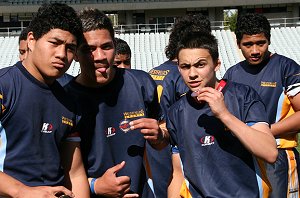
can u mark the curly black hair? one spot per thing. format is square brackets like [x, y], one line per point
[93, 19]
[199, 40]
[251, 24]
[187, 23]
[122, 47]
[56, 16]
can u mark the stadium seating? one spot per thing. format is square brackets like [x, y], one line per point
[148, 48]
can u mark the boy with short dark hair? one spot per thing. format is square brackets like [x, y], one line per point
[277, 80]
[39, 141]
[123, 54]
[217, 127]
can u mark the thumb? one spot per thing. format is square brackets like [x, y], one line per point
[118, 167]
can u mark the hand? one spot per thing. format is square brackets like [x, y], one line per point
[44, 191]
[109, 185]
[215, 100]
[149, 128]
[131, 195]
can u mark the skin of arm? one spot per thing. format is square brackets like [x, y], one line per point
[14, 188]
[257, 138]
[76, 178]
[177, 178]
[290, 124]
[154, 132]
[110, 185]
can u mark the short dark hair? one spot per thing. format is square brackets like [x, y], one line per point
[94, 19]
[23, 35]
[187, 23]
[122, 47]
[56, 16]
[200, 40]
[252, 23]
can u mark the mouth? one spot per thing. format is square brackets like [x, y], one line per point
[194, 84]
[59, 65]
[254, 59]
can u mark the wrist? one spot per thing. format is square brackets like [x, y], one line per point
[92, 185]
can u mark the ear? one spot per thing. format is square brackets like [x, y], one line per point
[238, 44]
[76, 56]
[218, 65]
[30, 41]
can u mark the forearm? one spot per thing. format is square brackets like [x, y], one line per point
[177, 178]
[288, 125]
[10, 187]
[257, 139]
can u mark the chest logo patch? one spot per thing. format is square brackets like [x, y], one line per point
[207, 140]
[47, 128]
[124, 125]
[111, 131]
[268, 84]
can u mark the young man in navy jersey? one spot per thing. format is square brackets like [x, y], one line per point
[277, 80]
[171, 87]
[39, 144]
[23, 44]
[122, 108]
[217, 127]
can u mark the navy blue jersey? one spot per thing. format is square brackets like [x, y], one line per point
[215, 162]
[108, 141]
[35, 119]
[273, 82]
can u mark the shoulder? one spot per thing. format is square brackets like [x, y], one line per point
[65, 79]
[239, 90]
[138, 75]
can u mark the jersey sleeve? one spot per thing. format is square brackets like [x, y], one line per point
[291, 77]
[171, 126]
[150, 96]
[253, 107]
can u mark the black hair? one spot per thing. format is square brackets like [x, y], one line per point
[56, 16]
[94, 19]
[23, 35]
[187, 23]
[251, 24]
[199, 40]
[122, 47]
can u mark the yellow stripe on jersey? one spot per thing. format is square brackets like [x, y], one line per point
[293, 183]
[289, 140]
[2, 106]
[266, 186]
[159, 91]
[184, 191]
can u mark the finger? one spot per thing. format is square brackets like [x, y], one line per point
[124, 180]
[144, 124]
[60, 190]
[131, 195]
[117, 167]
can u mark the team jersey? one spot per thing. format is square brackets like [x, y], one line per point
[35, 120]
[276, 80]
[215, 163]
[108, 139]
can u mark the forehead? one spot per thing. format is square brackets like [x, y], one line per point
[23, 44]
[61, 35]
[97, 37]
[122, 57]
[191, 55]
[254, 37]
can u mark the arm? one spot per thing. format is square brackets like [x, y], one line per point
[76, 179]
[257, 139]
[290, 124]
[177, 178]
[13, 188]
[155, 133]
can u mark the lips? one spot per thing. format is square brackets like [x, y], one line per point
[102, 69]
[194, 84]
[58, 64]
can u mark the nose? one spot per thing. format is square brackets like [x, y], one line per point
[193, 73]
[61, 52]
[99, 54]
[255, 49]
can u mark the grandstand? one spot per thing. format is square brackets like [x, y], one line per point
[145, 25]
[148, 48]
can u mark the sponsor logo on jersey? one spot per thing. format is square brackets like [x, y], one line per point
[207, 140]
[268, 84]
[67, 121]
[47, 128]
[124, 125]
[110, 131]
[158, 74]
[134, 114]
